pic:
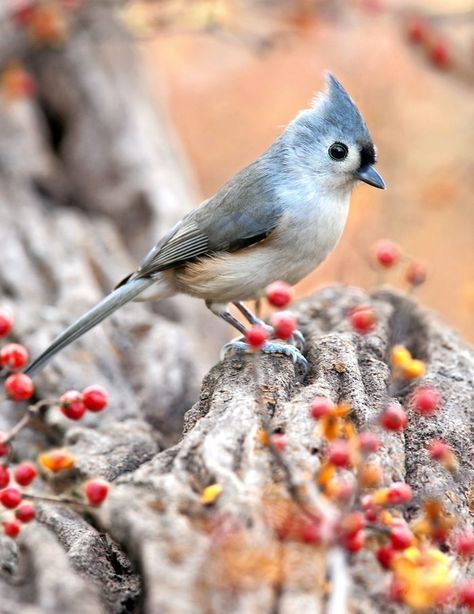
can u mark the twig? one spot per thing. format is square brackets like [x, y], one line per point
[53, 499]
[31, 412]
[340, 582]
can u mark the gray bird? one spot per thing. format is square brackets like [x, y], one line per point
[277, 219]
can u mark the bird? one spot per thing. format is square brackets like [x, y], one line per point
[276, 219]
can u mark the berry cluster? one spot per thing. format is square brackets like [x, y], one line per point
[386, 254]
[74, 404]
[437, 49]
[14, 481]
[370, 513]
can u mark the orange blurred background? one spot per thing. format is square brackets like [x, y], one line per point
[229, 100]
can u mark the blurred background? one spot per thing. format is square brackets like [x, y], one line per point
[225, 76]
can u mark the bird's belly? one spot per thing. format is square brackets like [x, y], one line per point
[244, 275]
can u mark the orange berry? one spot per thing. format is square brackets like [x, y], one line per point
[56, 460]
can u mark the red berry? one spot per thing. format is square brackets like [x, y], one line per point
[279, 294]
[371, 514]
[10, 497]
[25, 474]
[426, 400]
[72, 405]
[338, 454]
[95, 398]
[385, 556]
[19, 386]
[280, 441]
[4, 476]
[320, 407]
[284, 324]
[438, 449]
[22, 12]
[368, 442]
[466, 594]
[354, 542]
[394, 418]
[362, 319]
[399, 492]
[4, 448]
[417, 30]
[12, 529]
[440, 54]
[13, 356]
[464, 543]
[256, 337]
[311, 533]
[96, 491]
[415, 274]
[26, 512]
[401, 538]
[387, 253]
[6, 321]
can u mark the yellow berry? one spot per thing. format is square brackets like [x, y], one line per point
[380, 497]
[211, 494]
[400, 356]
[415, 368]
[263, 437]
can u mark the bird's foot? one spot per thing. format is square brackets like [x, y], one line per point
[293, 352]
[270, 347]
[297, 339]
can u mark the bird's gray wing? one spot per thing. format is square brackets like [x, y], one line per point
[244, 212]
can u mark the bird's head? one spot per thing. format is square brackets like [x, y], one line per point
[334, 142]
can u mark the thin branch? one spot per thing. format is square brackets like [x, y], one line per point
[340, 582]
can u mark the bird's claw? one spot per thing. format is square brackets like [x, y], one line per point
[236, 345]
[298, 339]
[270, 347]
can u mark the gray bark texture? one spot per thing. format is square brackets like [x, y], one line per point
[89, 178]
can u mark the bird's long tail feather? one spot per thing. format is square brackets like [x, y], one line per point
[94, 316]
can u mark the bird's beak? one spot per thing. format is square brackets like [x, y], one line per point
[369, 175]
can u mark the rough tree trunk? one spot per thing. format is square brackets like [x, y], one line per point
[88, 176]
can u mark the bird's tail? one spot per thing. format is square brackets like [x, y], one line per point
[120, 296]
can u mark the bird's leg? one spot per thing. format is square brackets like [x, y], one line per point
[251, 317]
[239, 344]
[221, 311]
[297, 337]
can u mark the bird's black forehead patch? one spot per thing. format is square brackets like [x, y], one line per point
[367, 154]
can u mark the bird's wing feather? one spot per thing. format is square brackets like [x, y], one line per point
[242, 213]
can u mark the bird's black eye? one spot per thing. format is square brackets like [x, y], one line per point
[338, 151]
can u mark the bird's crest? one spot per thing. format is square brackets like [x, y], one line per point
[338, 109]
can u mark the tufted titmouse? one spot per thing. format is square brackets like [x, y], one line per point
[277, 219]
